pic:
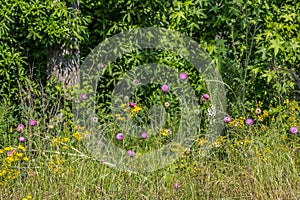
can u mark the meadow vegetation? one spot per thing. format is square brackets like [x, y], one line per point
[255, 46]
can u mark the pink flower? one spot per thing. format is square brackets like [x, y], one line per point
[176, 186]
[135, 82]
[144, 135]
[294, 130]
[131, 153]
[183, 76]
[83, 97]
[100, 66]
[120, 136]
[20, 128]
[205, 97]
[131, 104]
[227, 119]
[95, 119]
[21, 139]
[164, 88]
[32, 122]
[249, 121]
[9, 153]
[99, 142]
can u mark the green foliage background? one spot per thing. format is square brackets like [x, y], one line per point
[255, 44]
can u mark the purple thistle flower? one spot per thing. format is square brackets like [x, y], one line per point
[120, 136]
[135, 82]
[164, 88]
[176, 186]
[100, 66]
[294, 130]
[9, 153]
[132, 104]
[99, 142]
[20, 128]
[21, 139]
[32, 122]
[95, 119]
[205, 97]
[144, 135]
[131, 153]
[249, 121]
[183, 76]
[227, 119]
[83, 97]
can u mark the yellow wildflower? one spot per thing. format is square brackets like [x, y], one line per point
[19, 155]
[77, 136]
[22, 148]
[135, 110]
[8, 148]
[202, 142]
[25, 159]
[165, 132]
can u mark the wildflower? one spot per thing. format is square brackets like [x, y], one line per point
[77, 136]
[205, 97]
[50, 126]
[202, 142]
[197, 111]
[25, 159]
[176, 186]
[227, 119]
[131, 153]
[99, 142]
[183, 76]
[249, 121]
[120, 136]
[100, 66]
[102, 160]
[95, 119]
[20, 128]
[83, 97]
[21, 139]
[257, 111]
[294, 130]
[164, 88]
[22, 148]
[166, 132]
[135, 109]
[32, 122]
[9, 153]
[132, 104]
[167, 104]
[144, 135]
[135, 82]
[123, 105]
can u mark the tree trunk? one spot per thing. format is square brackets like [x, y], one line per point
[63, 60]
[63, 63]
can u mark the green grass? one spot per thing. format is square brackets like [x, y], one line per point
[266, 168]
[247, 162]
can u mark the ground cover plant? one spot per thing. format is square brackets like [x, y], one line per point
[253, 44]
